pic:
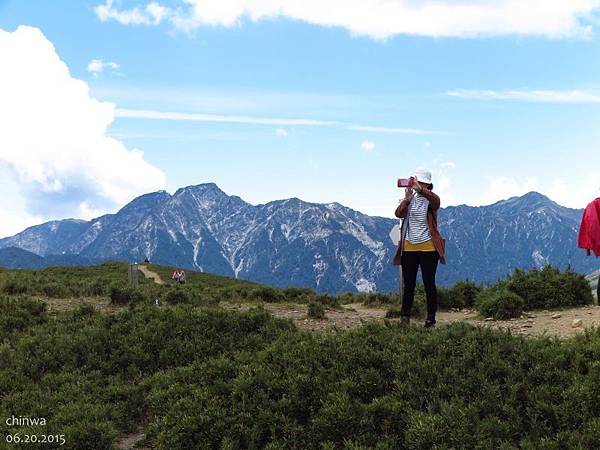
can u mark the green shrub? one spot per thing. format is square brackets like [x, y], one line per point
[176, 296]
[316, 310]
[327, 300]
[461, 295]
[58, 282]
[84, 311]
[20, 313]
[55, 290]
[211, 378]
[393, 312]
[209, 300]
[87, 433]
[550, 288]
[267, 294]
[125, 295]
[379, 298]
[419, 307]
[295, 293]
[350, 297]
[96, 289]
[499, 303]
[15, 285]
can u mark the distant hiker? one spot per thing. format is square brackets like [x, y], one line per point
[420, 245]
[589, 231]
[175, 276]
[182, 277]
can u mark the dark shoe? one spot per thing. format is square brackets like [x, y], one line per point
[429, 323]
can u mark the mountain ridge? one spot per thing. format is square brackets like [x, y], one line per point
[328, 247]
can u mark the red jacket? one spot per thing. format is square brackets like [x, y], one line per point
[438, 242]
[589, 232]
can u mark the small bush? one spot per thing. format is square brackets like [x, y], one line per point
[205, 299]
[15, 286]
[461, 295]
[316, 310]
[177, 296]
[84, 311]
[327, 300]
[550, 288]
[267, 294]
[379, 298]
[294, 293]
[349, 297]
[96, 289]
[125, 295]
[55, 290]
[20, 313]
[499, 303]
[393, 312]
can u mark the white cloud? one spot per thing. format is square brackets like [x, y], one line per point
[391, 130]
[15, 222]
[151, 14]
[87, 213]
[502, 188]
[248, 120]
[442, 181]
[281, 132]
[97, 66]
[534, 96]
[367, 146]
[587, 187]
[199, 117]
[56, 146]
[380, 19]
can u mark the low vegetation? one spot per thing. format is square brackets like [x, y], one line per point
[210, 378]
[315, 310]
[192, 375]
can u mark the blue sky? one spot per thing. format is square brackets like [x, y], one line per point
[298, 103]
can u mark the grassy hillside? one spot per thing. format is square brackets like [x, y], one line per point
[547, 288]
[209, 378]
[194, 375]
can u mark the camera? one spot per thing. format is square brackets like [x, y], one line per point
[405, 182]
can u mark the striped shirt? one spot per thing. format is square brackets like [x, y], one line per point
[418, 229]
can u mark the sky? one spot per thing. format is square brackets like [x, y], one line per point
[327, 101]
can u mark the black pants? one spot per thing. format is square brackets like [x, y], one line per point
[411, 261]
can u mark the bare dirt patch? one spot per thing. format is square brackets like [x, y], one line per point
[533, 323]
[131, 441]
[56, 305]
[151, 275]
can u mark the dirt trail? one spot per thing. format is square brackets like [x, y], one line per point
[130, 441]
[532, 323]
[150, 274]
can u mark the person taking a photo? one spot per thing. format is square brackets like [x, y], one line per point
[420, 245]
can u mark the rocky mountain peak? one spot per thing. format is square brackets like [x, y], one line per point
[328, 247]
[146, 202]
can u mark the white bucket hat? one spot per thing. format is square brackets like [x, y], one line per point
[423, 175]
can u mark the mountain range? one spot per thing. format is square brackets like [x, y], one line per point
[327, 247]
